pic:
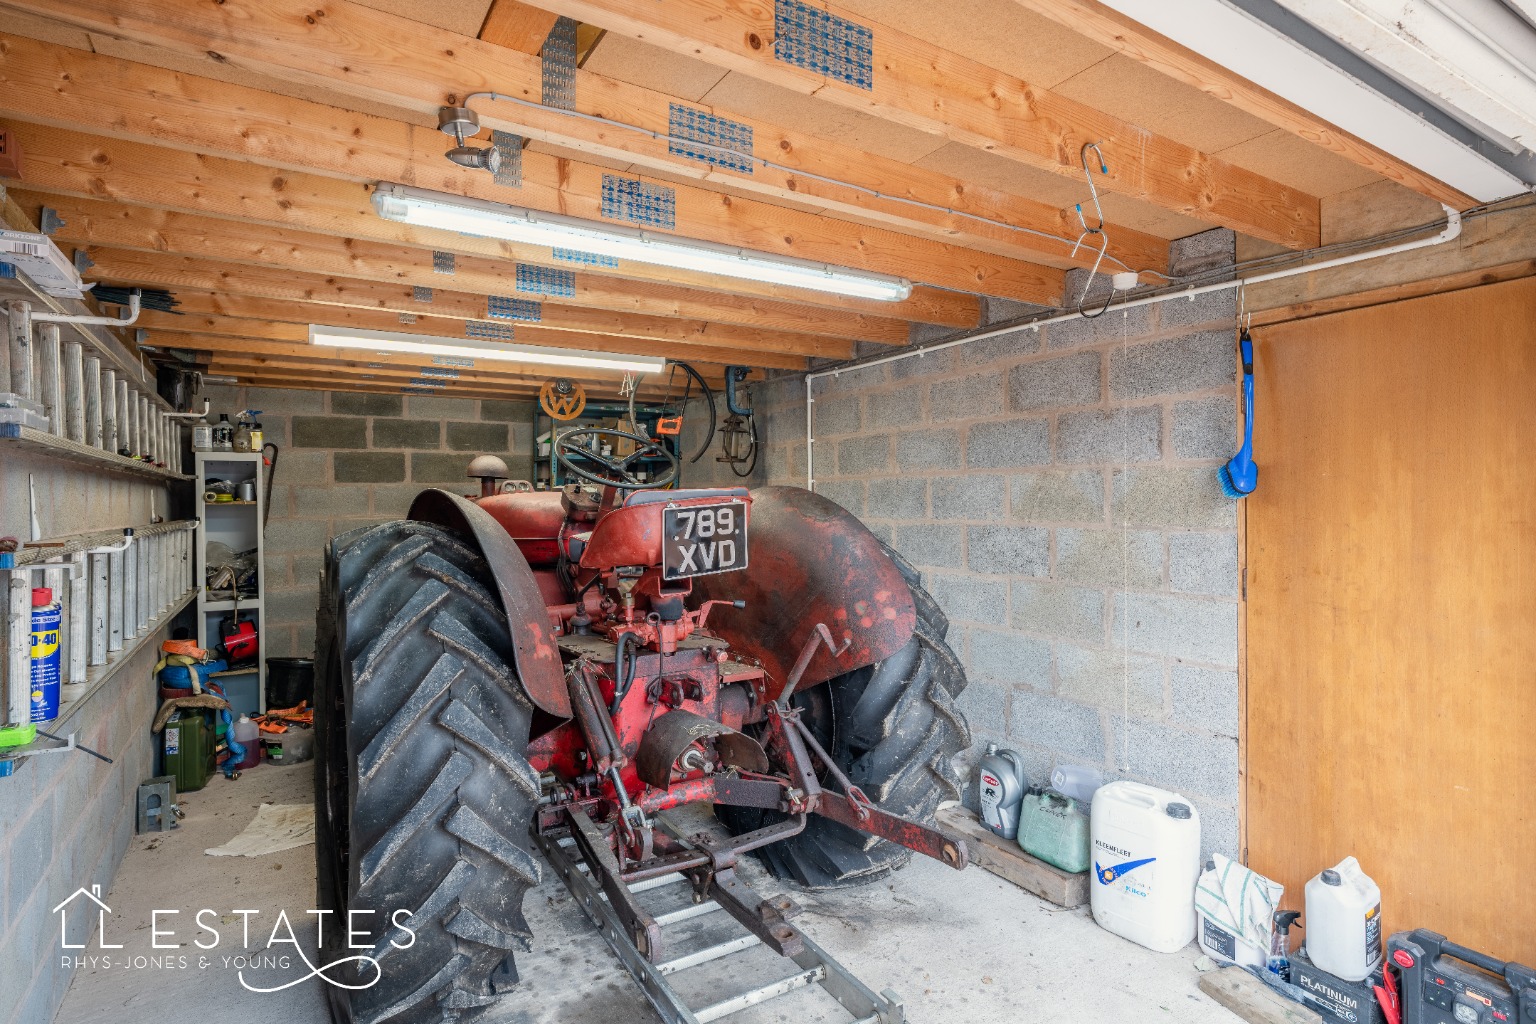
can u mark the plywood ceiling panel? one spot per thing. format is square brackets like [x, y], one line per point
[1143, 96]
[1299, 164]
[651, 67]
[760, 100]
[998, 33]
[1154, 220]
[989, 170]
[462, 16]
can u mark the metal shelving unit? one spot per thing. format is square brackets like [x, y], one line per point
[238, 525]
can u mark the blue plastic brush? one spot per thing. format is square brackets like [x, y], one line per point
[1241, 475]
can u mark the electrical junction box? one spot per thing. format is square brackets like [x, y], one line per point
[35, 255]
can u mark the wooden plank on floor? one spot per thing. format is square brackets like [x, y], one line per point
[1252, 1000]
[1007, 859]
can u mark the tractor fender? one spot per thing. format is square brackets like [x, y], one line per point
[810, 562]
[533, 641]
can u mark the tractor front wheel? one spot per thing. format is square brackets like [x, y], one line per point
[423, 794]
[893, 729]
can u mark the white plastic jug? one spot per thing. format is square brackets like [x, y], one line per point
[1344, 921]
[1146, 860]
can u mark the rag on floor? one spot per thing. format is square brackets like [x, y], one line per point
[277, 827]
[1241, 901]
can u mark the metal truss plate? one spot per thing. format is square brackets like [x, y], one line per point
[639, 202]
[811, 38]
[443, 262]
[487, 331]
[545, 280]
[700, 135]
[510, 172]
[588, 259]
[559, 59]
[501, 307]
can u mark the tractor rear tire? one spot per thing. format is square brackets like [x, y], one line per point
[893, 728]
[423, 793]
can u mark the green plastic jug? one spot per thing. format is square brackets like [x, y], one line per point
[1054, 828]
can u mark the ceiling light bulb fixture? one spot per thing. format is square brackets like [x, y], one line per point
[409, 205]
[461, 122]
[389, 342]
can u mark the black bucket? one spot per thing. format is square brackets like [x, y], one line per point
[289, 681]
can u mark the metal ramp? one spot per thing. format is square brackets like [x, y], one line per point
[814, 964]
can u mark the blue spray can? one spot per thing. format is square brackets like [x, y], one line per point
[46, 616]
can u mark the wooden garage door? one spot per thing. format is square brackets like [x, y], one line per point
[1391, 618]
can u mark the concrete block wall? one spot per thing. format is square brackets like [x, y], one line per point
[1058, 490]
[68, 820]
[347, 460]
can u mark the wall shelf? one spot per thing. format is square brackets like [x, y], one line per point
[15, 435]
[239, 530]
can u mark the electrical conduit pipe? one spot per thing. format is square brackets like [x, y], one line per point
[1449, 233]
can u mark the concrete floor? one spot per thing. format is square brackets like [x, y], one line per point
[958, 947]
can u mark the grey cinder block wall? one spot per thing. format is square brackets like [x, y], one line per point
[67, 818]
[351, 459]
[1058, 490]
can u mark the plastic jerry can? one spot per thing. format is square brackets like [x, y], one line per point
[189, 749]
[1344, 921]
[1146, 861]
[1000, 787]
[1054, 828]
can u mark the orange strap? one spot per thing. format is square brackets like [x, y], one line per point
[187, 648]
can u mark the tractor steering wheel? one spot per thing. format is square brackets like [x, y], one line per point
[615, 471]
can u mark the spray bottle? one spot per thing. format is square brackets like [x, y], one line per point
[1000, 776]
[1279, 962]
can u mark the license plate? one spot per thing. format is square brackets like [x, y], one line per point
[700, 540]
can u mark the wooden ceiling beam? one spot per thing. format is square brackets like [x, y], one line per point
[92, 166]
[218, 346]
[157, 322]
[919, 84]
[380, 57]
[90, 222]
[187, 277]
[138, 103]
[304, 380]
[1110, 28]
[304, 313]
[517, 26]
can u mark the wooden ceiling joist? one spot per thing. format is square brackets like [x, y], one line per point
[186, 276]
[369, 54]
[90, 222]
[917, 83]
[281, 353]
[74, 163]
[137, 102]
[303, 380]
[1110, 28]
[160, 323]
[249, 307]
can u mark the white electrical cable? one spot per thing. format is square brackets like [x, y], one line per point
[1449, 233]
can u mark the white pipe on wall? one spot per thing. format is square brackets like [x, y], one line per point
[1449, 233]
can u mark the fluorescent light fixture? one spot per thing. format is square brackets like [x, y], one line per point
[428, 209]
[388, 341]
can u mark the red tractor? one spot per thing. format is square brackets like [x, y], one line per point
[498, 671]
